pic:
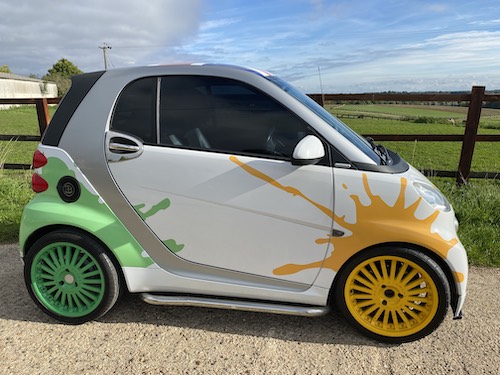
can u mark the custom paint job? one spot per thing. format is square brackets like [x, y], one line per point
[255, 227]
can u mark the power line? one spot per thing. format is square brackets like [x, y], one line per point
[110, 61]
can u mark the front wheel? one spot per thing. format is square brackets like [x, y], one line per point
[70, 277]
[393, 295]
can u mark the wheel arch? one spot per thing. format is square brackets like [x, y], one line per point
[435, 257]
[40, 232]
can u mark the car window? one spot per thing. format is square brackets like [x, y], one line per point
[135, 111]
[225, 115]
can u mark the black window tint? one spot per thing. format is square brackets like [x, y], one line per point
[225, 115]
[135, 112]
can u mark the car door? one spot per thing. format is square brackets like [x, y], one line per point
[205, 162]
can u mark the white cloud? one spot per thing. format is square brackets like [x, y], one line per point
[438, 8]
[33, 36]
[452, 61]
[486, 22]
[215, 24]
[357, 45]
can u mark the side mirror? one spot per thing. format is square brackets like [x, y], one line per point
[308, 151]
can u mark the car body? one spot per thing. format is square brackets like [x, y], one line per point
[223, 186]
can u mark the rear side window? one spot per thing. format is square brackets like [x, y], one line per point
[135, 111]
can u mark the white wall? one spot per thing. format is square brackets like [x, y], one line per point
[15, 89]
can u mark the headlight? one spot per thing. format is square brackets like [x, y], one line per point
[432, 196]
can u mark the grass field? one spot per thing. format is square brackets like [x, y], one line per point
[15, 193]
[490, 118]
[477, 206]
[23, 121]
[427, 155]
[431, 155]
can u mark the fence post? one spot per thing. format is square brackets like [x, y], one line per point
[471, 125]
[42, 111]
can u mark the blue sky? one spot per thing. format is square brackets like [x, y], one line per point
[358, 46]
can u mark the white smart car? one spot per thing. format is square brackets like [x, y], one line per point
[222, 186]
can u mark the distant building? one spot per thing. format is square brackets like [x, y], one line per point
[14, 87]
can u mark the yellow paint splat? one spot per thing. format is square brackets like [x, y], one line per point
[459, 277]
[288, 189]
[376, 223]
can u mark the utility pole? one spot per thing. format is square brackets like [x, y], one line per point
[104, 48]
[321, 87]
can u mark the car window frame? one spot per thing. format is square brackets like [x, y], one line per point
[326, 161]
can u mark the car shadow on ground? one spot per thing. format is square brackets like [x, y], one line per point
[327, 329]
[15, 304]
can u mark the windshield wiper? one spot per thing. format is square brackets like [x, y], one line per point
[380, 150]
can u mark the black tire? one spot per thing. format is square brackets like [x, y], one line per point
[406, 302]
[70, 277]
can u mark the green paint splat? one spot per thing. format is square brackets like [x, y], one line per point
[173, 246]
[88, 213]
[162, 205]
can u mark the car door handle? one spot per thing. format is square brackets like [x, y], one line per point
[123, 148]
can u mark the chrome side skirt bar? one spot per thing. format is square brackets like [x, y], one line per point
[243, 305]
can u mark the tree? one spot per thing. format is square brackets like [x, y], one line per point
[65, 68]
[5, 69]
[61, 73]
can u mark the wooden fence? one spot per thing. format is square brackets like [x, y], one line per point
[42, 110]
[476, 99]
[468, 139]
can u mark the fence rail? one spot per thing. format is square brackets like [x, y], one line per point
[468, 139]
[403, 97]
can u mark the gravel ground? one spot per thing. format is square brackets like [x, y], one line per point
[136, 338]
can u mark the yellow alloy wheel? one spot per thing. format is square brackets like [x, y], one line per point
[394, 296]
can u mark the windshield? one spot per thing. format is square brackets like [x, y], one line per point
[335, 123]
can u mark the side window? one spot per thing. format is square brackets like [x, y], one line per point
[225, 115]
[135, 111]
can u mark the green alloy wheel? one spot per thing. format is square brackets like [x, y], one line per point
[70, 277]
[393, 295]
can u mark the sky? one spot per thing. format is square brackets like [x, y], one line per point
[317, 45]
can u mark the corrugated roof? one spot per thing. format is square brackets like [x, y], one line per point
[18, 78]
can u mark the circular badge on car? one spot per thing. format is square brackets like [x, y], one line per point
[68, 189]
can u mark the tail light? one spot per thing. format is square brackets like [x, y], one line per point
[39, 159]
[38, 184]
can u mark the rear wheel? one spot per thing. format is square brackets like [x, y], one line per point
[70, 277]
[393, 295]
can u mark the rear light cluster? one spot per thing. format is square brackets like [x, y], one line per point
[39, 159]
[38, 184]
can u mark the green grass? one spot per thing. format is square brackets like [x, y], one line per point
[477, 207]
[405, 110]
[23, 121]
[15, 186]
[15, 193]
[20, 120]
